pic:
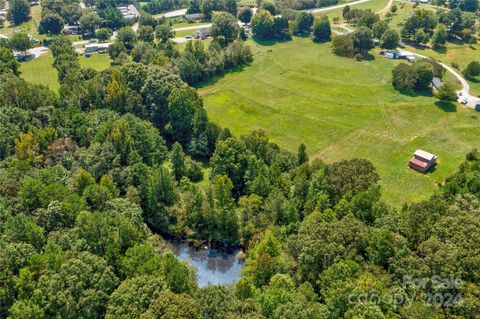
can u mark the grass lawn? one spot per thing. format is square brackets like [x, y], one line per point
[41, 71]
[298, 91]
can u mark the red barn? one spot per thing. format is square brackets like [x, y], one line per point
[422, 161]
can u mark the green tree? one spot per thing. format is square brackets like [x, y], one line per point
[8, 62]
[170, 305]
[302, 156]
[472, 70]
[447, 92]
[146, 33]
[304, 22]
[177, 158]
[379, 28]
[164, 32]
[103, 34]
[362, 40]
[390, 40]
[262, 24]
[127, 37]
[18, 11]
[224, 27]
[439, 38]
[89, 21]
[51, 23]
[321, 29]
[133, 297]
[245, 14]
[20, 42]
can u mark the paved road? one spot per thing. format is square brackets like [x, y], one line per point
[38, 51]
[175, 13]
[193, 27]
[340, 6]
[386, 8]
[465, 91]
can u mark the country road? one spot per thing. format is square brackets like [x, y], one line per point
[465, 91]
[340, 6]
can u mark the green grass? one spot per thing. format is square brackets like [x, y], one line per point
[299, 92]
[41, 71]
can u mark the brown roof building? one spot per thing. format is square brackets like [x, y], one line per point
[422, 161]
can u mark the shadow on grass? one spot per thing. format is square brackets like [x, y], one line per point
[446, 106]
[431, 170]
[216, 78]
[368, 57]
[414, 93]
[441, 49]
[268, 42]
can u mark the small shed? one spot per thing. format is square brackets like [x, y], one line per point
[437, 83]
[203, 33]
[422, 161]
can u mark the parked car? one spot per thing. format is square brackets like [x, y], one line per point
[464, 101]
[188, 37]
[477, 107]
[460, 93]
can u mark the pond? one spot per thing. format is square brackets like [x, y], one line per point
[213, 266]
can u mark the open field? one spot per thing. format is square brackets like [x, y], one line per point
[41, 71]
[298, 91]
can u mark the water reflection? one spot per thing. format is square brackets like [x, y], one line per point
[213, 266]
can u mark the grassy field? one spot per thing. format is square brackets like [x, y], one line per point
[299, 91]
[40, 70]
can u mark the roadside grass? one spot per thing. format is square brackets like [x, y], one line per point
[299, 92]
[41, 70]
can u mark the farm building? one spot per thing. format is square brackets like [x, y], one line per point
[97, 47]
[437, 83]
[422, 161]
[399, 55]
[203, 33]
[130, 12]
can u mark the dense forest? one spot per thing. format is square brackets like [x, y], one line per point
[94, 177]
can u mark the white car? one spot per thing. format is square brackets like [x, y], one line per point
[464, 101]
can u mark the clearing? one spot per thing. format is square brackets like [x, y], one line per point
[298, 91]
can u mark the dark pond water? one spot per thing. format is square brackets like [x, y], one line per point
[213, 266]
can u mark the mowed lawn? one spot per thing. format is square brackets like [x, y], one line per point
[298, 91]
[41, 70]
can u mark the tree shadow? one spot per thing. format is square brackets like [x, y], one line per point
[441, 49]
[320, 41]
[431, 170]
[368, 57]
[414, 93]
[216, 78]
[268, 42]
[446, 106]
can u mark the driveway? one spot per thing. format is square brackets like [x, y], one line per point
[38, 51]
[175, 13]
[465, 91]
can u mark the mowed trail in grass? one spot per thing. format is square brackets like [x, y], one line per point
[298, 91]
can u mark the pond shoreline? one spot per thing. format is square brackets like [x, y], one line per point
[213, 265]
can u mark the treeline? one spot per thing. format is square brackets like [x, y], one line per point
[153, 46]
[160, 6]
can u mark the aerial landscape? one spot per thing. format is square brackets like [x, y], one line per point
[236, 159]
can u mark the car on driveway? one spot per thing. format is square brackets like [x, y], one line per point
[464, 101]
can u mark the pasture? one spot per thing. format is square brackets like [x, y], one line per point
[298, 91]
